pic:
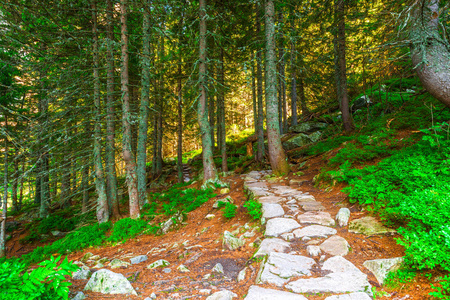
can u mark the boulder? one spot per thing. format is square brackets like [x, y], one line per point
[308, 127]
[280, 267]
[259, 293]
[342, 216]
[368, 226]
[381, 267]
[222, 295]
[297, 141]
[231, 242]
[107, 282]
[278, 226]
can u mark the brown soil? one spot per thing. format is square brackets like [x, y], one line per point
[202, 249]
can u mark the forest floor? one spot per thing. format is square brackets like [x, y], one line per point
[198, 245]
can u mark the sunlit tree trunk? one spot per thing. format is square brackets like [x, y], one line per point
[128, 157]
[111, 175]
[180, 124]
[102, 201]
[15, 181]
[259, 87]
[221, 113]
[5, 200]
[209, 169]
[85, 185]
[276, 153]
[340, 63]
[430, 52]
[144, 107]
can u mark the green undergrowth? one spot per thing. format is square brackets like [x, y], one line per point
[254, 209]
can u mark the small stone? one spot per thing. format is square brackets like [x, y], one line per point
[223, 200]
[272, 245]
[158, 264]
[167, 270]
[82, 273]
[320, 218]
[95, 257]
[271, 199]
[342, 216]
[107, 282]
[335, 245]
[86, 257]
[222, 295]
[241, 275]
[138, 259]
[224, 191]
[313, 251]
[204, 291]
[314, 231]
[183, 269]
[79, 296]
[381, 267]
[218, 268]
[231, 242]
[312, 206]
[210, 216]
[153, 296]
[248, 234]
[57, 233]
[278, 226]
[289, 236]
[296, 182]
[117, 263]
[206, 276]
[103, 260]
[98, 266]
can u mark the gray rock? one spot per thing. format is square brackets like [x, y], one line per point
[242, 274]
[258, 192]
[307, 127]
[218, 268]
[98, 265]
[167, 270]
[271, 199]
[259, 184]
[82, 273]
[332, 283]
[259, 293]
[289, 236]
[138, 259]
[381, 267]
[222, 295]
[342, 216]
[103, 260]
[338, 264]
[170, 223]
[272, 245]
[117, 263]
[312, 206]
[160, 263]
[313, 250]
[368, 226]
[321, 218]
[315, 136]
[107, 282]
[272, 210]
[283, 190]
[352, 296]
[79, 296]
[231, 242]
[57, 233]
[280, 267]
[277, 226]
[335, 245]
[210, 216]
[297, 141]
[183, 269]
[314, 231]
[297, 182]
[86, 257]
[223, 200]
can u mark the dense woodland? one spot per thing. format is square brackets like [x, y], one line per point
[101, 96]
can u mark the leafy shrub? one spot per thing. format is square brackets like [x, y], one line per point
[230, 210]
[443, 289]
[46, 282]
[127, 228]
[254, 209]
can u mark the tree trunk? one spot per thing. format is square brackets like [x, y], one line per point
[85, 186]
[209, 169]
[276, 153]
[180, 125]
[221, 108]
[111, 175]
[340, 62]
[294, 120]
[143, 113]
[102, 201]
[128, 157]
[5, 201]
[254, 101]
[15, 181]
[259, 87]
[430, 52]
[44, 157]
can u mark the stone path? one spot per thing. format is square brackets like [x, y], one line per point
[296, 222]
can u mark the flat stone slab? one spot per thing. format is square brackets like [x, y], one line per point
[280, 267]
[258, 184]
[282, 189]
[259, 293]
[272, 210]
[312, 206]
[138, 259]
[271, 199]
[300, 196]
[320, 218]
[335, 245]
[258, 192]
[342, 282]
[338, 264]
[381, 267]
[352, 296]
[272, 245]
[368, 226]
[314, 231]
[277, 226]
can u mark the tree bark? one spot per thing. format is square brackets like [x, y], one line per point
[180, 124]
[430, 53]
[144, 110]
[221, 114]
[293, 86]
[128, 157]
[102, 201]
[340, 64]
[209, 169]
[5, 201]
[276, 153]
[259, 87]
[111, 175]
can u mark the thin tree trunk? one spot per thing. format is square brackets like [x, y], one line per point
[15, 181]
[143, 119]
[293, 86]
[283, 88]
[111, 175]
[259, 74]
[276, 153]
[221, 107]
[301, 89]
[44, 163]
[254, 100]
[130, 161]
[212, 108]
[160, 110]
[84, 186]
[339, 7]
[209, 169]
[102, 201]
[180, 125]
[5, 201]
